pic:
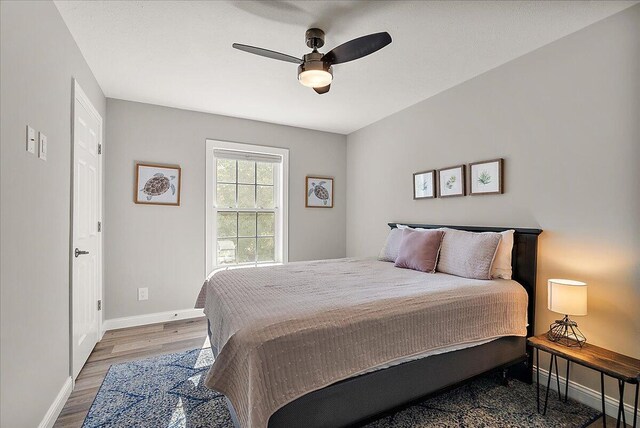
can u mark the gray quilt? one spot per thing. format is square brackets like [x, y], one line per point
[284, 331]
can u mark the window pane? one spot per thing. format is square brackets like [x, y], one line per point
[265, 173]
[246, 250]
[227, 225]
[226, 195]
[246, 224]
[226, 251]
[226, 170]
[246, 196]
[266, 249]
[266, 224]
[265, 197]
[246, 172]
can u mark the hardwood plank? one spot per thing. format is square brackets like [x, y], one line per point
[124, 332]
[155, 341]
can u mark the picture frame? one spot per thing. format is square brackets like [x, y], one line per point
[157, 184]
[451, 181]
[318, 192]
[424, 184]
[486, 177]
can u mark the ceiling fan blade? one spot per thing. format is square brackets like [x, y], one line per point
[323, 89]
[357, 48]
[267, 53]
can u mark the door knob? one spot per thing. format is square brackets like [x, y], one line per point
[79, 252]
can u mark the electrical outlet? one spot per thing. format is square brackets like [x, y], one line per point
[143, 293]
[31, 139]
[42, 151]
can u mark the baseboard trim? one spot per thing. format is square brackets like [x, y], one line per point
[57, 405]
[587, 396]
[138, 320]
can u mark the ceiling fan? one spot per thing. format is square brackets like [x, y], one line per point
[315, 68]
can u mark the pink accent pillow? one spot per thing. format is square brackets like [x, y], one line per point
[419, 250]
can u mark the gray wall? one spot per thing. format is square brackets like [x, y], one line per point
[38, 61]
[566, 118]
[163, 247]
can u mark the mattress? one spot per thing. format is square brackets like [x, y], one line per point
[283, 331]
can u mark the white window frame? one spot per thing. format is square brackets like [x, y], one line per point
[281, 202]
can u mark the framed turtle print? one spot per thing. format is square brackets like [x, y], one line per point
[424, 184]
[451, 181]
[486, 177]
[319, 192]
[157, 184]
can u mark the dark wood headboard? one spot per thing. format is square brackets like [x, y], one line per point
[523, 258]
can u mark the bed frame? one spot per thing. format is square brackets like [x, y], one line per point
[356, 401]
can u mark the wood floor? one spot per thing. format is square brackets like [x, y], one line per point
[128, 344]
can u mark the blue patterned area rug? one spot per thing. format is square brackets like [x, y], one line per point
[168, 391]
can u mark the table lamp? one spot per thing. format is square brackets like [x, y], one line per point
[567, 297]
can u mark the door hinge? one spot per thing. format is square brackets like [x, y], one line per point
[99, 305]
[99, 149]
[99, 226]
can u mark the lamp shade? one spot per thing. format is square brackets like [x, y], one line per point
[567, 297]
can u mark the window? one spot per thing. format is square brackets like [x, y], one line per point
[246, 205]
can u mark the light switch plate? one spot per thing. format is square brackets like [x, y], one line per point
[42, 152]
[143, 293]
[31, 139]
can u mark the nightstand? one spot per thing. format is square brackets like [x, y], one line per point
[621, 367]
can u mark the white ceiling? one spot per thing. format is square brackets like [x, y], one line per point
[178, 53]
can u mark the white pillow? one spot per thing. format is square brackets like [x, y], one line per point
[389, 252]
[468, 254]
[501, 267]
[419, 229]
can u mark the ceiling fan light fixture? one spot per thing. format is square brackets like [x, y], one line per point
[315, 78]
[313, 72]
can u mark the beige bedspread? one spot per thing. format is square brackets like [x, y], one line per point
[284, 331]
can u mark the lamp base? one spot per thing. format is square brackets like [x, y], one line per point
[566, 332]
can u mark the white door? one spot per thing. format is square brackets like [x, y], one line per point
[86, 251]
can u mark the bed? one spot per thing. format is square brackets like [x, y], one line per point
[336, 343]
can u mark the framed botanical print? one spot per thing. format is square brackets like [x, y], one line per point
[424, 184]
[319, 192]
[451, 181]
[485, 178]
[157, 184]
